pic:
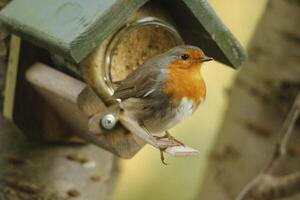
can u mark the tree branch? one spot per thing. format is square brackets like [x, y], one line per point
[267, 186]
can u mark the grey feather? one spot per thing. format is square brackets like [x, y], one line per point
[144, 79]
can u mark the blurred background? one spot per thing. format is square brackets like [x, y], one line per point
[144, 176]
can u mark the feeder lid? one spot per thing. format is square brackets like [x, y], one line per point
[74, 28]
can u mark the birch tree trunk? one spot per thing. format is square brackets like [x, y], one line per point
[262, 94]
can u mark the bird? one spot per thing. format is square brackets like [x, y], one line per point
[165, 90]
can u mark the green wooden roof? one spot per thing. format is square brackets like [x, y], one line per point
[74, 28]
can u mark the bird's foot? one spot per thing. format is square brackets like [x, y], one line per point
[165, 141]
[170, 138]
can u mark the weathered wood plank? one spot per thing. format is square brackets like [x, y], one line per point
[11, 77]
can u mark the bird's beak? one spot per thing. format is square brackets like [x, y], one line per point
[206, 59]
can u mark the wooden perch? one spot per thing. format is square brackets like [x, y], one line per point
[76, 103]
[80, 107]
[173, 147]
[72, 99]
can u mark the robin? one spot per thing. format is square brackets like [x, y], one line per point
[166, 89]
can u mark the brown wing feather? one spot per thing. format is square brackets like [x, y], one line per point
[138, 83]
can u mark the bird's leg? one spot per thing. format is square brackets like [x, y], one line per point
[167, 135]
[141, 124]
[161, 149]
[162, 158]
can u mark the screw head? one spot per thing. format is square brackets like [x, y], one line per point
[108, 122]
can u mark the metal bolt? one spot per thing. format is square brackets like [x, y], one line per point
[108, 122]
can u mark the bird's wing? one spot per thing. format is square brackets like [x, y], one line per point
[140, 83]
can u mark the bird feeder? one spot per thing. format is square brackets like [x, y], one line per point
[66, 56]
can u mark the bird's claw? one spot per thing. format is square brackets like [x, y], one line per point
[170, 142]
[162, 158]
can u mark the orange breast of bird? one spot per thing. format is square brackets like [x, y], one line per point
[185, 82]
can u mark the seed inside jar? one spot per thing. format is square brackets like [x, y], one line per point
[136, 47]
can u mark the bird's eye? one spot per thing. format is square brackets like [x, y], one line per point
[184, 56]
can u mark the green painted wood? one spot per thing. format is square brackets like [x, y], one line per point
[199, 25]
[72, 28]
